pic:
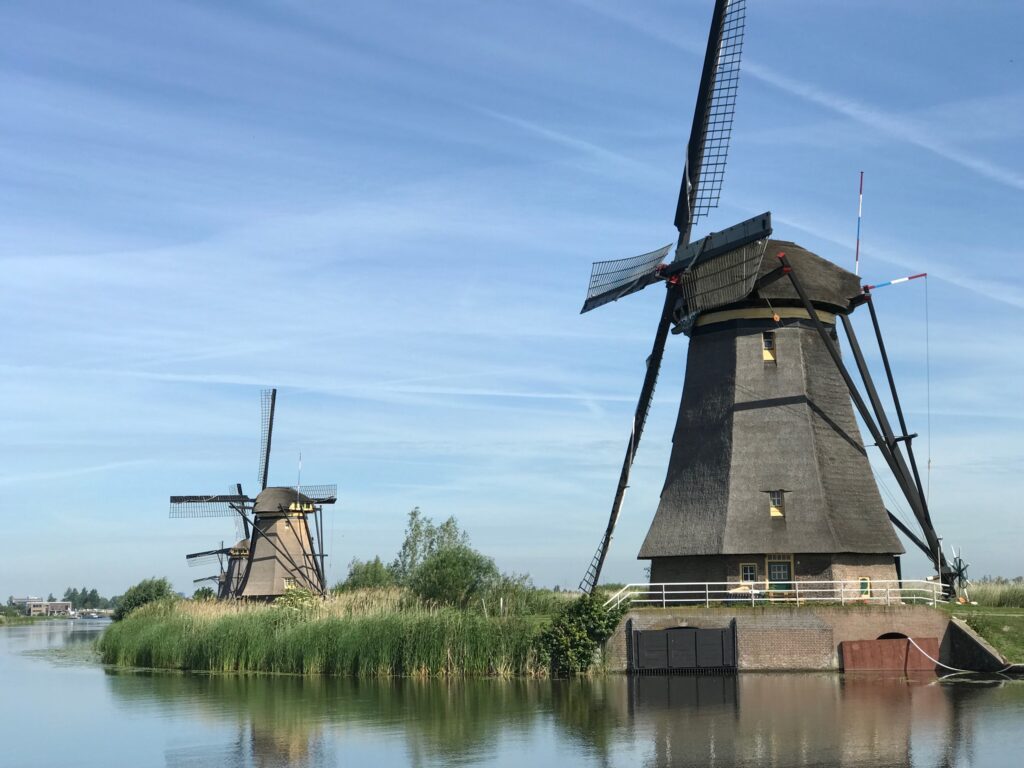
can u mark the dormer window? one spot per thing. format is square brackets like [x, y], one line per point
[776, 503]
[768, 346]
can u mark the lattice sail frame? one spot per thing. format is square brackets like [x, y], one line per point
[723, 280]
[716, 130]
[611, 280]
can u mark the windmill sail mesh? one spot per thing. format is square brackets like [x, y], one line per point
[266, 397]
[611, 280]
[208, 506]
[203, 558]
[723, 279]
[717, 127]
[320, 494]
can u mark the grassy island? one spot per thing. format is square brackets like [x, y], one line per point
[363, 633]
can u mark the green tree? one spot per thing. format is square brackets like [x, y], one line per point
[146, 591]
[453, 575]
[50, 598]
[204, 593]
[422, 539]
[93, 599]
[367, 574]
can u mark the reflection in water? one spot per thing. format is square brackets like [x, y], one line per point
[746, 720]
[48, 675]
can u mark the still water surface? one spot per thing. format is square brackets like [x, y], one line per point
[58, 707]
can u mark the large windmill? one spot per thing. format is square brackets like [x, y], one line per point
[284, 525]
[768, 479]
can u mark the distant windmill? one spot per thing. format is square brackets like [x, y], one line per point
[284, 525]
[768, 480]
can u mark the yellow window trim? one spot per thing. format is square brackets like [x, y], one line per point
[744, 565]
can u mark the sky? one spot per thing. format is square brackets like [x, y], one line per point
[389, 211]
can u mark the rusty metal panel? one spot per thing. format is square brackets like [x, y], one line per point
[895, 655]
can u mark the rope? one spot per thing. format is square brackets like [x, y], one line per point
[953, 669]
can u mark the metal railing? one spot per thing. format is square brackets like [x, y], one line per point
[847, 592]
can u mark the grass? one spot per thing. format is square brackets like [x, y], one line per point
[997, 594]
[365, 633]
[1002, 627]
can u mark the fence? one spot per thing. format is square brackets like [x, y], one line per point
[875, 592]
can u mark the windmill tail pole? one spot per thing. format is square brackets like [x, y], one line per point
[593, 576]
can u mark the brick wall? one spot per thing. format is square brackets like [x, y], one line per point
[787, 638]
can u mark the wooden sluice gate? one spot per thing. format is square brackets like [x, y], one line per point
[684, 650]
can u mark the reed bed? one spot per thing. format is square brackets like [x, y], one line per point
[997, 594]
[362, 634]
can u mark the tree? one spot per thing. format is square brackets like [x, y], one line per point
[423, 539]
[93, 599]
[204, 593]
[146, 591]
[50, 598]
[453, 575]
[368, 574]
[71, 595]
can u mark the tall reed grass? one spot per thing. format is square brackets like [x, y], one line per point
[997, 594]
[362, 633]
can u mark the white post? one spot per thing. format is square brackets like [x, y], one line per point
[707, 595]
[662, 595]
[796, 584]
[842, 593]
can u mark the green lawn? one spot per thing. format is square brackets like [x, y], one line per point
[1003, 628]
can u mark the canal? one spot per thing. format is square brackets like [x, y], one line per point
[59, 707]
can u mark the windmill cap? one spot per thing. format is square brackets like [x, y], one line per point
[828, 285]
[282, 500]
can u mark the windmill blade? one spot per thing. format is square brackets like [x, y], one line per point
[611, 280]
[268, 400]
[206, 578]
[318, 494]
[207, 557]
[643, 406]
[708, 147]
[224, 505]
[241, 520]
[722, 280]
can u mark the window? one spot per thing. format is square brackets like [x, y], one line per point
[776, 503]
[864, 585]
[748, 572]
[780, 574]
[768, 346]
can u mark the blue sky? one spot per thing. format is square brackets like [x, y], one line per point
[389, 210]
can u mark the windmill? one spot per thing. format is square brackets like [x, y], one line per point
[768, 479]
[283, 543]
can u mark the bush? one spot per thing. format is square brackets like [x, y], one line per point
[146, 591]
[204, 593]
[454, 575]
[569, 644]
[367, 574]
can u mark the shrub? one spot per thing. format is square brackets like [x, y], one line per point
[204, 593]
[569, 644]
[454, 575]
[146, 591]
[367, 574]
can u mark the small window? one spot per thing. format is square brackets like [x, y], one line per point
[864, 585]
[776, 503]
[748, 572]
[768, 346]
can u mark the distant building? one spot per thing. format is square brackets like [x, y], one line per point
[36, 607]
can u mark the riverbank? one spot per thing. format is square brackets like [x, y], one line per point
[369, 634]
[1001, 627]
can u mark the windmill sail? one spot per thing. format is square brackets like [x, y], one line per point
[611, 280]
[711, 131]
[706, 153]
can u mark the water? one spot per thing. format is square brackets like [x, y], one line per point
[58, 707]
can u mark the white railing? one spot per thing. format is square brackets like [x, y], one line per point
[851, 592]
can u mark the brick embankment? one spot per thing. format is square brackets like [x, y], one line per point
[788, 637]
